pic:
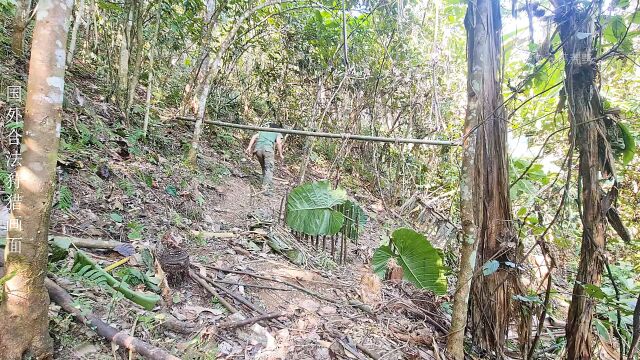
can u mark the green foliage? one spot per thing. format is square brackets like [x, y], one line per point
[116, 217]
[65, 198]
[171, 190]
[134, 277]
[421, 263]
[59, 249]
[126, 186]
[85, 267]
[5, 182]
[490, 267]
[608, 305]
[311, 208]
[135, 230]
[629, 144]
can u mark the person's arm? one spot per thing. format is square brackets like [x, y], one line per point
[279, 145]
[253, 141]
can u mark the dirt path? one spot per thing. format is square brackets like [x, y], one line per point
[322, 318]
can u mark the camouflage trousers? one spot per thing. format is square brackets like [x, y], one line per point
[266, 159]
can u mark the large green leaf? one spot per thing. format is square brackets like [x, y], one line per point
[380, 260]
[85, 267]
[629, 144]
[421, 262]
[310, 208]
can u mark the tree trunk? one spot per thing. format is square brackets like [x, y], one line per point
[24, 325]
[485, 205]
[125, 52]
[20, 22]
[584, 110]
[455, 342]
[209, 70]
[139, 51]
[152, 52]
[79, 13]
[198, 75]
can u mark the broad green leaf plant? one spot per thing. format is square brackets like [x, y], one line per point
[421, 263]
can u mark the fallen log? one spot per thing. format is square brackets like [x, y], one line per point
[148, 351]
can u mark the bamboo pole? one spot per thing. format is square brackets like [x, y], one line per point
[328, 135]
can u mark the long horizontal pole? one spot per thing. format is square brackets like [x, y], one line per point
[329, 135]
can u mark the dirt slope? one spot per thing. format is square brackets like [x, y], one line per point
[113, 185]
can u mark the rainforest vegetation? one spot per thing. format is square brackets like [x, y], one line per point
[330, 179]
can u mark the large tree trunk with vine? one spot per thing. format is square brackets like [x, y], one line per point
[584, 113]
[485, 205]
[24, 325]
[20, 22]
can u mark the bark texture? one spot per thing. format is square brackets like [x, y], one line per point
[125, 52]
[584, 113]
[485, 205]
[20, 22]
[77, 21]
[24, 325]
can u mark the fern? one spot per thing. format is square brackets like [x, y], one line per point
[126, 186]
[65, 198]
[5, 182]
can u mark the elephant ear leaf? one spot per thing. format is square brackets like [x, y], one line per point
[311, 208]
[421, 263]
[380, 260]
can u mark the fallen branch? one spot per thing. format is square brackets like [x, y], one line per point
[297, 287]
[252, 320]
[330, 135]
[354, 351]
[89, 243]
[175, 325]
[212, 291]
[121, 338]
[213, 234]
[368, 352]
[253, 285]
[241, 299]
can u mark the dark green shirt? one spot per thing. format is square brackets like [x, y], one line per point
[266, 140]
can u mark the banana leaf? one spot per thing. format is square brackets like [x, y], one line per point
[85, 267]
